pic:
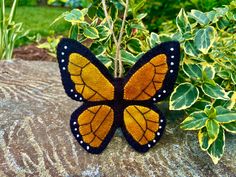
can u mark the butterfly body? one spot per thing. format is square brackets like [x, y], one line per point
[110, 103]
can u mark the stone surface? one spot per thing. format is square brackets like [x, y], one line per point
[35, 138]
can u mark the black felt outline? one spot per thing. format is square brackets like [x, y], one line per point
[118, 105]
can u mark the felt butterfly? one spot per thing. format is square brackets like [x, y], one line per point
[110, 103]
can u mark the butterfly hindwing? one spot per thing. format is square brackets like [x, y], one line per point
[143, 126]
[84, 77]
[93, 127]
[154, 75]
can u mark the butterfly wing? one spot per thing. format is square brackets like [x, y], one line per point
[84, 77]
[93, 127]
[154, 75]
[143, 126]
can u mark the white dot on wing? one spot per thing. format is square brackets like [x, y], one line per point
[164, 91]
[172, 49]
[62, 60]
[149, 145]
[159, 96]
[172, 56]
[171, 71]
[154, 141]
[64, 68]
[172, 63]
[158, 134]
[62, 53]
[81, 142]
[65, 47]
[161, 120]
[77, 135]
[154, 99]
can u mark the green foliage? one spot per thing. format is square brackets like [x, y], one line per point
[208, 65]
[206, 84]
[39, 24]
[70, 3]
[8, 3]
[10, 31]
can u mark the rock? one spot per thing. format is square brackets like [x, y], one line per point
[35, 137]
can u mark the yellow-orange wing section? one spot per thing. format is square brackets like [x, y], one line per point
[147, 80]
[88, 79]
[154, 75]
[93, 127]
[143, 126]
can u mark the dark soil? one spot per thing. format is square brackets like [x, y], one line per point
[32, 52]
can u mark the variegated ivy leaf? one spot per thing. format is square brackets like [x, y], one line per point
[97, 48]
[209, 72]
[154, 40]
[75, 16]
[212, 128]
[233, 77]
[91, 32]
[182, 22]
[128, 58]
[204, 39]
[134, 45]
[199, 16]
[216, 150]
[105, 60]
[230, 127]
[193, 70]
[195, 121]
[190, 48]
[184, 96]
[224, 115]
[104, 32]
[204, 140]
[214, 90]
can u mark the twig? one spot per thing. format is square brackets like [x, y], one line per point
[113, 34]
[120, 39]
[117, 42]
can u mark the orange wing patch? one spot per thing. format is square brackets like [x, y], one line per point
[141, 123]
[95, 124]
[88, 80]
[147, 80]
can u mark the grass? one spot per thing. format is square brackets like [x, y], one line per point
[37, 19]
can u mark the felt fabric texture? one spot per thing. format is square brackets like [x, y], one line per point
[110, 102]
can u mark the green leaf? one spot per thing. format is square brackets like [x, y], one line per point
[105, 60]
[199, 16]
[193, 70]
[216, 149]
[190, 48]
[91, 33]
[233, 77]
[73, 34]
[92, 11]
[97, 48]
[128, 57]
[134, 45]
[230, 127]
[104, 32]
[182, 22]
[184, 96]
[75, 16]
[214, 90]
[154, 40]
[224, 115]
[204, 140]
[205, 38]
[113, 12]
[212, 128]
[195, 121]
[209, 72]
[141, 16]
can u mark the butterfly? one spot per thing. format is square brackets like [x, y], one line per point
[110, 103]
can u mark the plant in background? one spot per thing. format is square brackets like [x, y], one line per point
[70, 3]
[206, 85]
[10, 31]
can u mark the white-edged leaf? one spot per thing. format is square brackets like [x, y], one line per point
[214, 90]
[194, 121]
[184, 96]
[216, 150]
[205, 38]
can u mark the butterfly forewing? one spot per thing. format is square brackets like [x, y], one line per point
[84, 77]
[154, 75]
